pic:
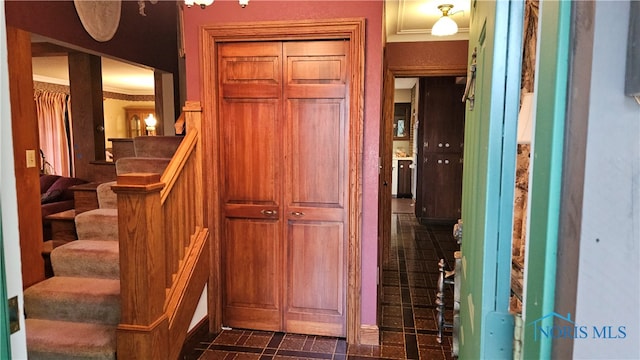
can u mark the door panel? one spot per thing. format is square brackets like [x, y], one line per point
[283, 137]
[314, 262]
[250, 148]
[252, 274]
[404, 179]
[315, 189]
[440, 135]
[486, 325]
[249, 106]
[443, 174]
[317, 152]
[444, 123]
[250, 70]
[316, 289]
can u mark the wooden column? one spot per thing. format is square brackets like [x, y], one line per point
[85, 86]
[24, 123]
[143, 330]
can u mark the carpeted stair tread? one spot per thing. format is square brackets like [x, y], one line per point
[97, 224]
[58, 340]
[130, 165]
[156, 146]
[87, 258]
[107, 199]
[74, 299]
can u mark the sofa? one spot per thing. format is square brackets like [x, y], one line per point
[55, 197]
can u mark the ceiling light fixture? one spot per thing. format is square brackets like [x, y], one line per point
[204, 3]
[445, 25]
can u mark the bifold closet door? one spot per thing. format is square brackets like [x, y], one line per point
[284, 160]
[316, 187]
[250, 111]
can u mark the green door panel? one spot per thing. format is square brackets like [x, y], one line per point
[486, 326]
[547, 154]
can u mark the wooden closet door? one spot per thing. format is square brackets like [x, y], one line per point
[284, 160]
[316, 187]
[251, 151]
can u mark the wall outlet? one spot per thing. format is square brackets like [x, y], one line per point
[31, 158]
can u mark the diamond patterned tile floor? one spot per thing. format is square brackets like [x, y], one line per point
[408, 327]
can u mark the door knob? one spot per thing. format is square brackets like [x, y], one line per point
[269, 212]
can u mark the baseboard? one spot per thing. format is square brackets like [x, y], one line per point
[369, 335]
[194, 336]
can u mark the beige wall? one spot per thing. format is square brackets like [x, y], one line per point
[114, 117]
[402, 95]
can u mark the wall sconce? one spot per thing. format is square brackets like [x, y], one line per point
[151, 123]
[445, 25]
[204, 3]
[525, 119]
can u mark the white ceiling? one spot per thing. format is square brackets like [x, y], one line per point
[406, 21]
[412, 20]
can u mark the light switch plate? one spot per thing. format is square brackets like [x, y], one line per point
[31, 158]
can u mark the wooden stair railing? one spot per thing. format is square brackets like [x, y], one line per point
[164, 258]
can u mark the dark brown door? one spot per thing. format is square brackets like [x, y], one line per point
[443, 173]
[440, 139]
[283, 136]
[404, 178]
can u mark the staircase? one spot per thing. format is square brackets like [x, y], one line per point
[75, 313]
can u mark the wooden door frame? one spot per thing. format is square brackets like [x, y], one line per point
[386, 146]
[386, 152]
[351, 29]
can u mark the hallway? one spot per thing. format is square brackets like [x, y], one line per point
[408, 326]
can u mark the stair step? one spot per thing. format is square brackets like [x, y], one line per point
[97, 224]
[87, 258]
[129, 165]
[49, 339]
[156, 146]
[74, 299]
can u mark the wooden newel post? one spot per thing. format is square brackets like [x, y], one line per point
[143, 329]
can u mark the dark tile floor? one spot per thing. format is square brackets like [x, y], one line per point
[408, 312]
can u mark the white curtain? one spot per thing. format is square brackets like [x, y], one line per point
[54, 118]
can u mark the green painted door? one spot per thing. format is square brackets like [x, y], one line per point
[495, 37]
[546, 177]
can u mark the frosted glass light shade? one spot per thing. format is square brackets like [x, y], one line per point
[201, 3]
[205, 3]
[150, 121]
[444, 26]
